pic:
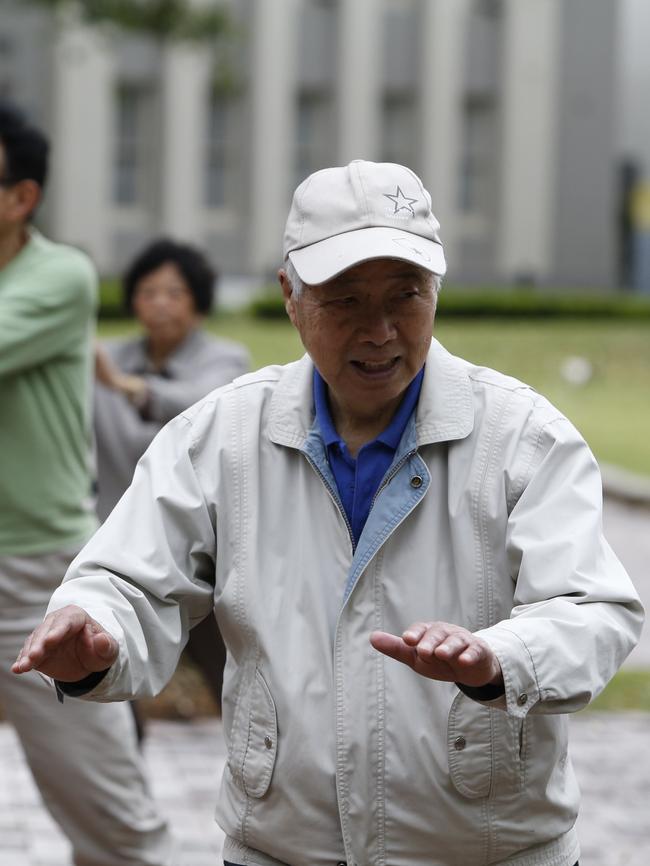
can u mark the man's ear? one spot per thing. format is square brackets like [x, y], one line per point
[26, 194]
[287, 294]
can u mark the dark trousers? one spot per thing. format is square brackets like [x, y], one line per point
[208, 652]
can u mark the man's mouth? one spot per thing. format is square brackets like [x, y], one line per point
[376, 367]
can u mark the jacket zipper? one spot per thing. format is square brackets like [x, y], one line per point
[335, 498]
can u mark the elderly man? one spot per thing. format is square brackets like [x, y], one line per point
[378, 505]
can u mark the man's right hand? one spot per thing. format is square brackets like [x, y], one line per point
[67, 646]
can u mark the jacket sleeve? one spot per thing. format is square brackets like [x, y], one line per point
[147, 575]
[576, 614]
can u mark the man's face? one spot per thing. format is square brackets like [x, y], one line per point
[18, 199]
[6, 194]
[368, 332]
[164, 304]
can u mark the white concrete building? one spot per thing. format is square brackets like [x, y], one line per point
[510, 111]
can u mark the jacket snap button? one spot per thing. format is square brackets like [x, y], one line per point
[522, 699]
[460, 743]
[416, 481]
[268, 742]
[341, 863]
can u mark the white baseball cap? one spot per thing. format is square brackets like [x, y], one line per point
[343, 216]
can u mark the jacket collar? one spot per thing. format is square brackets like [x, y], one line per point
[444, 411]
[136, 359]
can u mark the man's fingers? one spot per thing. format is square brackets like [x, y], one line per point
[95, 649]
[34, 649]
[441, 651]
[104, 646]
[414, 633]
[453, 646]
[436, 635]
[474, 654]
[394, 646]
[22, 663]
[53, 633]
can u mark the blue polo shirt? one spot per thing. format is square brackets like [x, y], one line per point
[358, 479]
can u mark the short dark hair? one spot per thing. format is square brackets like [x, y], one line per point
[200, 276]
[26, 148]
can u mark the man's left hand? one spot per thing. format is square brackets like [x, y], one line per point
[442, 651]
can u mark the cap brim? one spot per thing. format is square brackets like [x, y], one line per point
[326, 259]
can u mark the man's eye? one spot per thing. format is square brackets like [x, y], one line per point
[347, 301]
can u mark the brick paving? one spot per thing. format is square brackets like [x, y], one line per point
[609, 750]
[185, 759]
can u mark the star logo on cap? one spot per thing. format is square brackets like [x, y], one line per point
[401, 202]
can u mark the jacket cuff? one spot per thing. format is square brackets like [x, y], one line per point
[521, 689]
[80, 687]
[483, 694]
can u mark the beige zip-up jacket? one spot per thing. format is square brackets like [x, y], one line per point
[490, 518]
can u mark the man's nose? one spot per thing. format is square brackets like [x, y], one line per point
[379, 326]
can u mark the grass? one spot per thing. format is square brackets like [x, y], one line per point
[612, 410]
[628, 690]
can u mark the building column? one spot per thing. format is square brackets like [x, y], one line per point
[358, 92]
[274, 51]
[442, 58]
[529, 137]
[81, 122]
[184, 93]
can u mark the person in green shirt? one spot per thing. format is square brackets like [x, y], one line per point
[84, 757]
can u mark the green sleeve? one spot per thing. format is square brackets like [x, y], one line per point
[44, 313]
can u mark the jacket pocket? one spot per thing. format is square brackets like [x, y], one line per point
[257, 760]
[484, 748]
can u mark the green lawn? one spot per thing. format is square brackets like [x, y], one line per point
[612, 410]
[629, 690]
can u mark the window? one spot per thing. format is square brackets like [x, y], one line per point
[399, 135]
[7, 66]
[131, 145]
[313, 132]
[488, 8]
[216, 150]
[479, 148]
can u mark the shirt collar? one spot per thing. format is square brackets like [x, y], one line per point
[323, 414]
[445, 410]
[390, 436]
[393, 433]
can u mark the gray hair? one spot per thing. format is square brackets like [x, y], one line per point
[297, 284]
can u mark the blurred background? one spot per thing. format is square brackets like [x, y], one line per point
[527, 120]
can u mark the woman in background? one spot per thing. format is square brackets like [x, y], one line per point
[144, 382]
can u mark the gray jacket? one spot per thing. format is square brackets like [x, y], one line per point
[490, 518]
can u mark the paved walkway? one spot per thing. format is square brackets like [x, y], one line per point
[627, 528]
[610, 753]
